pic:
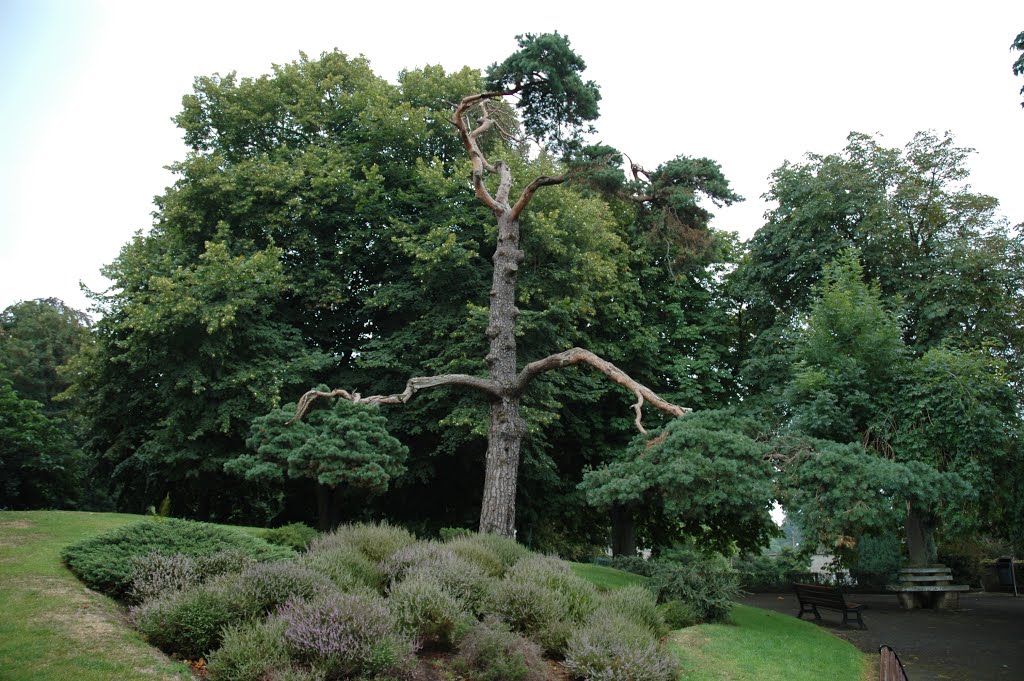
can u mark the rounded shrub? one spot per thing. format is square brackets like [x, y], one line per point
[157, 575]
[347, 636]
[404, 559]
[576, 597]
[678, 615]
[426, 610]
[531, 609]
[636, 604]
[106, 562]
[250, 651]
[376, 542]
[508, 551]
[708, 585]
[296, 536]
[189, 622]
[614, 649]
[463, 580]
[347, 567]
[491, 652]
[476, 552]
[265, 586]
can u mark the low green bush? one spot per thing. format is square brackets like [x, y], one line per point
[491, 652]
[106, 562]
[250, 651]
[678, 615]
[772, 572]
[478, 553]
[533, 610]
[615, 648]
[426, 610]
[376, 542]
[297, 536]
[464, 581]
[706, 584]
[575, 596]
[507, 551]
[347, 567]
[189, 622]
[158, 575]
[636, 604]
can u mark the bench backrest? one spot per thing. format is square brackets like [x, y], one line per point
[818, 594]
[889, 666]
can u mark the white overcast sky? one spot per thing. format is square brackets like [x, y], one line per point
[88, 89]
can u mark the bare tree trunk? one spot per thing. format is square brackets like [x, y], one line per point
[505, 435]
[920, 528]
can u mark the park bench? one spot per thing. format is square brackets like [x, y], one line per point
[889, 666]
[928, 587]
[814, 596]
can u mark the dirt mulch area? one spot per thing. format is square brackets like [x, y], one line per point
[983, 640]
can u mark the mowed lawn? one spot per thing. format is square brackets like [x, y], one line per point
[52, 628]
[761, 645]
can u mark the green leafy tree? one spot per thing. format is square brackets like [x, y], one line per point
[1018, 64]
[37, 338]
[923, 235]
[345, 450]
[705, 477]
[900, 441]
[40, 465]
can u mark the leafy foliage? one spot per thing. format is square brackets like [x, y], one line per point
[705, 583]
[1018, 64]
[554, 100]
[616, 648]
[491, 652]
[106, 562]
[703, 476]
[296, 536]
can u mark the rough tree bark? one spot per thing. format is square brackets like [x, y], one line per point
[503, 386]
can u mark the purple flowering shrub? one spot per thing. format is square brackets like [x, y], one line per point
[250, 651]
[615, 649]
[533, 611]
[346, 635]
[491, 652]
[265, 586]
[575, 596]
[376, 542]
[426, 610]
[156, 574]
[349, 569]
[415, 555]
[636, 604]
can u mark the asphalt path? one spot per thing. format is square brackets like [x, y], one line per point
[982, 640]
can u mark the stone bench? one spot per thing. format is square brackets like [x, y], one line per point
[928, 587]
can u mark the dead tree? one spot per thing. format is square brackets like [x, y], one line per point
[505, 384]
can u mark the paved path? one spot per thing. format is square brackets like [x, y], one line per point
[982, 641]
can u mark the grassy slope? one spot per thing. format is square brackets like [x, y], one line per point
[765, 646]
[52, 628]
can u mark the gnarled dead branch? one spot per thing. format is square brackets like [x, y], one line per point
[617, 375]
[411, 387]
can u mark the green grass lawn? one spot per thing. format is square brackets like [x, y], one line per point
[765, 646]
[605, 577]
[52, 628]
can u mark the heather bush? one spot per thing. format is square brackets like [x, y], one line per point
[189, 622]
[265, 586]
[707, 584]
[347, 636]
[491, 652]
[533, 610]
[426, 610]
[157, 575]
[636, 604]
[250, 651]
[507, 550]
[106, 562]
[678, 615]
[296, 536]
[463, 580]
[449, 533]
[404, 559]
[347, 567]
[476, 552]
[616, 649]
[576, 597]
[376, 542]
